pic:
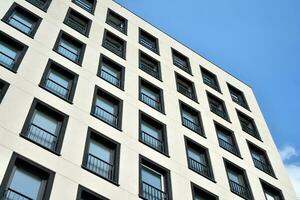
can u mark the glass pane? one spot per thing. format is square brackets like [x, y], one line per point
[69, 46]
[21, 22]
[235, 177]
[45, 122]
[110, 70]
[189, 116]
[154, 132]
[152, 178]
[8, 50]
[100, 151]
[270, 196]
[195, 155]
[225, 137]
[149, 93]
[106, 105]
[59, 78]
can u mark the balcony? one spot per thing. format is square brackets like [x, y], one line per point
[85, 5]
[152, 193]
[181, 64]
[6, 60]
[151, 101]
[58, 89]
[100, 167]
[263, 166]
[19, 25]
[152, 141]
[11, 194]
[228, 146]
[239, 190]
[185, 91]
[199, 168]
[67, 53]
[106, 116]
[110, 78]
[75, 24]
[191, 125]
[149, 69]
[111, 46]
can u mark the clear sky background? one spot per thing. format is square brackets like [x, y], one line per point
[257, 41]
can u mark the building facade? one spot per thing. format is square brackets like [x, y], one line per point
[96, 103]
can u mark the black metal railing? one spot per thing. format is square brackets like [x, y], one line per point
[100, 167]
[217, 110]
[106, 116]
[228, 146]
[191, 125]
[57, 88]
[185, 91]
[149, 69]
[80, 27]
[148, 43]
[150, 101]
[6, 60]
[38, 3]
[85, 5]
[181, 64]
[152, 141]
[247, 129]
[116, 23]
[67, 53]
[41, 136]
[239, 189]
[110, 78]
[11, 194]
[19, 25]
[117, 49]
[263, 166]
[150, 192]
[210, 82]
[199, 167]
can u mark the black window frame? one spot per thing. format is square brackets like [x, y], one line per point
[114, 65]
[114, 36]
[206, 72]
[267, 186]
[73, 39]
[141, 32]
[211, 97]
[156, 167]
[93, 6]
[152, 87]
[110, 12]
[65, 71]
[189, 143]
[46, 108]
[82, 18]
[4, 87]
[251, 120]
[196, 188]
[32, 166]
[44, 8]
[187, 60]
[143, 55]
[22, 49]
[243, 104]
[109, 95]
[82, 189]
[165, 150]
[191, 84]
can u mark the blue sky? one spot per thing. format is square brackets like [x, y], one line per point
[257, 41]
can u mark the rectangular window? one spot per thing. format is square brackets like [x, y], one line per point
[238, 96]
[155, 181]
[198, 159]
[87, 194]
[101, 156]
[202, 194]
[111, 72]
[149, 65]
[78, 22]
[210, 79]
[151, 95]
[238, 180]
[69, 47]
[185, 87]
[114, 44]
[181, 61]
[45, 126]
[191, 118]
[22, 19]
[217, 106]
[3, 88]
[41, 4]
[248, 125]
[11, 52]
[59, 81]
[117, 21]
[153, 133]
[88, 5]
[149, 41]
[107, 108]
[26, 180]
[271, 192]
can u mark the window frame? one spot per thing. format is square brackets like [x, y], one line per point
[192, 85]
[257, 134]
[214, 76]
[212, 97]
[108, 14]
[266, 184]
[195, 187]
[4, 89]
[153, 37]
[93, 6]
[60, 138]
[143, 54]
[230, 88]
[189, 69]
[45, 8]
[124, 49]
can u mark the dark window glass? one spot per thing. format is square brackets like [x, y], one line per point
[69, 50]
[86, 194]
[217, 106]
[248, 125]
[201, 194]
[271, 192]
[114, 44]
[78, 22]
[226, 140]
[210, 79]
[41, 4]
[88, 5]
[151, 95]
[186, 87]
[191, 119]
[238, 96]
[181, 61]
[116, 21]
[149, 65]
[148, 41]
[3, 88]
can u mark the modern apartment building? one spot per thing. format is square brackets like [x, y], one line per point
[98, 104]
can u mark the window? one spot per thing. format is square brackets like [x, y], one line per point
[198, 159]
[185, 87]
[150, 65]
[78, 22]
[155, 181]
[3, 88]
[86, 194]
[238, 96]
[210, 79]
[45, 126]
[151, 95]
[107, 108]
[238, 180]
[260, 159]
[111, 72]
[26, 180]
[114, 44]
[248, 125]
[153, 133]
[41, 4]
[181, 61]
[202, 194]
[191, 118]
[101, 156]
[11, 52]
[116, 21]
[271, 192]
[217, 106]
[59, 81]
[226, 139]
[88, 5]
[22, 19]
[149, 41]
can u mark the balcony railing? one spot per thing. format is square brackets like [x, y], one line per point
[191, 125]
[152, 141]
[210, 82]
[117, 49]
[11, 194]
[150, 192]
[215, 109]
[247, 129]
[263, 166]
[39, 3]
[116, 23]
[100, 167]
[228, 146]
[41, 136]
[75, 24]
[67, 53]
[150, 101]
[6, 60]
[181, 64]
[199, 167]
[148, 43]
[57, 88]
[185, 91]
[149, 69]
[110, 78]
[19, 25]
[239, 189]
[85, 5]
[106, 116]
